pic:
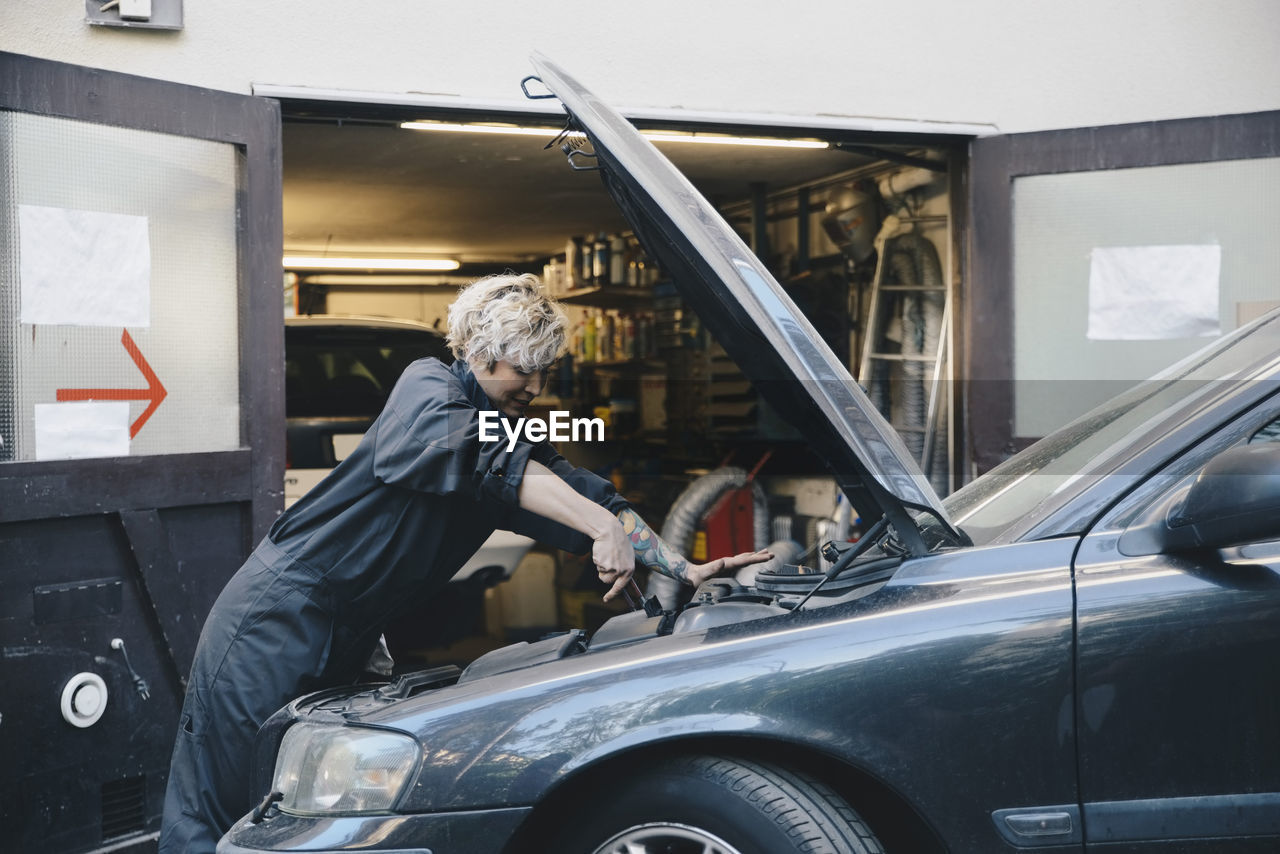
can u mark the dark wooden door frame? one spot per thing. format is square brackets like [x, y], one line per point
[995, 162]
[254, 474]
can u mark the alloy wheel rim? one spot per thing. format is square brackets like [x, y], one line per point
[665, 838]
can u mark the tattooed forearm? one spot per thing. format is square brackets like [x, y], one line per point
[652, 550]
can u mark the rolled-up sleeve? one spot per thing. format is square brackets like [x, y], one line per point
[585, 483]
[428, 439]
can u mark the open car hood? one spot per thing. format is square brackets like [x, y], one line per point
[750, 315]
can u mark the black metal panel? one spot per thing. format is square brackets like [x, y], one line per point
[159, 583]
[56, 768]
[77, 600]
[132, 548]
[183, 557]
[995, 162]
[81, 487]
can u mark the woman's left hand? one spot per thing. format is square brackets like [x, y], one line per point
[700, 572]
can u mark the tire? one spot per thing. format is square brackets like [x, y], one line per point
[715, 805]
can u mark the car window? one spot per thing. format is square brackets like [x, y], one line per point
[349, 371]
[1179, 474]
[1269, 433]
[1066, 460]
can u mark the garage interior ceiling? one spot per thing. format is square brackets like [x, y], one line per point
[373, 188]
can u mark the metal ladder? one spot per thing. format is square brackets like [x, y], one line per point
[877, 365]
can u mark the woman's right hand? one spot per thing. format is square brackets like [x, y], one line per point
[614, 557]
[542, 492]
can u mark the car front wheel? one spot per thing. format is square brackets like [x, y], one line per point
[716, 805]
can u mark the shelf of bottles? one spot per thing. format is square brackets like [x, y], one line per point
[605, 271]
[613, 366]
[613, 280]
[637, 355]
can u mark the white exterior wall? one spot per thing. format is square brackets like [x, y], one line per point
[1017, 64]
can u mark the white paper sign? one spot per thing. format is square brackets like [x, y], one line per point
[1143, 293]
[84, 268]
[68, 431]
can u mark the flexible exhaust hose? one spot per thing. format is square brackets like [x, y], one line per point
[912, 259]
[687, 511]
[906, 260]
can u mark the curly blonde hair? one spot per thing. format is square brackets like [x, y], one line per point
[509, 317]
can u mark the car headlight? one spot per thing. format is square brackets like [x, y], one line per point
[325, 769]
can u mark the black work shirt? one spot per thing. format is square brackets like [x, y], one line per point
[417, 497]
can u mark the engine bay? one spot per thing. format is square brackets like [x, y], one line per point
[718, 602]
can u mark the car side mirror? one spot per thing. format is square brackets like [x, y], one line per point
[1235, 499]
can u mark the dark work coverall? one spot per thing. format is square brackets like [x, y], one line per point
[389, 526]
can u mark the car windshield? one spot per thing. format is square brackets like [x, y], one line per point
[1093, 445]
[348, 371]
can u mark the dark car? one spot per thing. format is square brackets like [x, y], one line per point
[339, 370]
[1078, 651]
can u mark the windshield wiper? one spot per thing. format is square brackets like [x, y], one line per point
[865, 542]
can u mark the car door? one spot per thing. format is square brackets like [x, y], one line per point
[1178, 676]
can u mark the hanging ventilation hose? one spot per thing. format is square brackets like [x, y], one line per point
[686, 513]
[912, 259]
[911, 319]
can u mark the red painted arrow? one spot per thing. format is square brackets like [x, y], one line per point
[154, 392]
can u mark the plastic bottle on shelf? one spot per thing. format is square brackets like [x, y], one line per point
[573, 263]
[604, 336]
[642, 336]
[553, 277]
[628, 337]
[618, 261]
[589, 338]
[600, 259]
[585, 263]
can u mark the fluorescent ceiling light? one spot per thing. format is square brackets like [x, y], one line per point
[656, 136]
[714, 139]
[382, 279]
[454, 127]
[323, 262]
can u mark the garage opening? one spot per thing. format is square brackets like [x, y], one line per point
[390, 208]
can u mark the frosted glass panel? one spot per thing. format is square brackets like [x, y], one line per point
[1171, 225]
[118, 289]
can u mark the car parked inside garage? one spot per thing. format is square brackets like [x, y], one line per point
[1080, 650]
